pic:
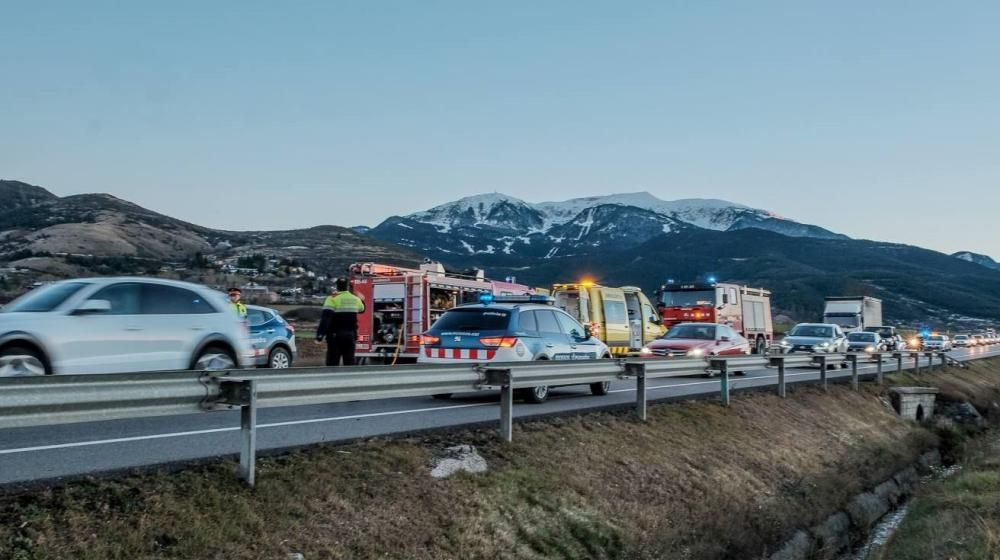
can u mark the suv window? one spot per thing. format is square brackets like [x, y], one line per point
[124, 298]
[547, 322]
[526, 321]
[569, 326]
[45, 299]
[158, 299]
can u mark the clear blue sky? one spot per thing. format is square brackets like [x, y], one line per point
[879, 119]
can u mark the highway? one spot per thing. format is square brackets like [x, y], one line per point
[52, 452]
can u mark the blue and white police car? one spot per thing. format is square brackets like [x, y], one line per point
[511, 329]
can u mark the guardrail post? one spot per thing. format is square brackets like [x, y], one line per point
[780, 362]
[502, 378]
[916, 361]
[930, 360]
[723, 368]
[879, 374]
[639, 372]
[899, 361]
[243, 393]
[822, 371]
[853, 358]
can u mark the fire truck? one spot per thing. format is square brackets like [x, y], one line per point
[746, 310]
[402, 303]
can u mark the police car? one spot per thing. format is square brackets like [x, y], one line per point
[511, 329]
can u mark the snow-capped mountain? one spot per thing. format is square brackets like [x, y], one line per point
[498, 224]
[977, 258]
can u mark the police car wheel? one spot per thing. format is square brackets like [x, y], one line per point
[279, 359]
[600, 389]
[536, 395]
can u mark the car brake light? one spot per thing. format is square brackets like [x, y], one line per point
[427, 339]
[501, 341]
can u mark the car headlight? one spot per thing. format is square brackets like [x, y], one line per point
[785, 344]
[696, 353]
[822, 345]
[870, 349]
[645, 351]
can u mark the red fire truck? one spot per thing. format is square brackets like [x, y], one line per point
[402, 303]
[746, 310]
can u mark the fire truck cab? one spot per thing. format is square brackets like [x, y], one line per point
[746, 310]
[402, 303]
[623, 318]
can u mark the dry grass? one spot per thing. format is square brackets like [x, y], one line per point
[958, 517]
[696, 481]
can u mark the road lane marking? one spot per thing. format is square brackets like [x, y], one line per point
[232, 429]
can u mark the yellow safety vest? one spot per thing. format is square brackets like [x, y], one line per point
[345, 302]
[240, 309]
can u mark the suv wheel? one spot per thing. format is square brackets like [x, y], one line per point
[16, 361]
[279, 359]
[214, 358]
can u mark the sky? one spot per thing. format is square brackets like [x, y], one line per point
[880, 120]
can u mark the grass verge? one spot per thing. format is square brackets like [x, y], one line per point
[695, 481]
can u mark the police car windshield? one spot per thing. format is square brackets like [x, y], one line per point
[473, 320]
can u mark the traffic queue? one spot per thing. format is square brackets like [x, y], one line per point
[383, 314]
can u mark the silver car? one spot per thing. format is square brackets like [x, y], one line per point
[938, 343]
[814, 337]
[115, 325]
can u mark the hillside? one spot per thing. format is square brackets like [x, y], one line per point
[35, 222]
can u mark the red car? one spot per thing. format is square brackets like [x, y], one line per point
[696, 340]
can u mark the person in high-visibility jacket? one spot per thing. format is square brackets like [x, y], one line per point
[339, 324]
[234, 299]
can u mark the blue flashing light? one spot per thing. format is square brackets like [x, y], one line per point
[925, 333]
[670, 280]
[486, 299]
[711, 279]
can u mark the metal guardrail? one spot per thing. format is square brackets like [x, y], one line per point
[51, 400]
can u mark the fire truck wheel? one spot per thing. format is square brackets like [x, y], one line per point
[600, 389]
[442, 396]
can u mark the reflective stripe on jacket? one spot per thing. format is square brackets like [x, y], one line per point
[340, 314]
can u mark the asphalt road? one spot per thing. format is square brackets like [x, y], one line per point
[50, 452]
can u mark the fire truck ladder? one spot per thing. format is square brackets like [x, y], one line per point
[415, 307]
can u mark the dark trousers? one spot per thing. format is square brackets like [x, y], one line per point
[341, 345]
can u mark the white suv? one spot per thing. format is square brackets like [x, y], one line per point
[114, 325]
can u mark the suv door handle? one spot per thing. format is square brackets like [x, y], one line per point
[197, 328]
[133, 329]
[550, 345]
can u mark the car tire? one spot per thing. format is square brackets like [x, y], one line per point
[16, 361]
[279, 359]
[600, 388]
[536, 395]
[214, 358]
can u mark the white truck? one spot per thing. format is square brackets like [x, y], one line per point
[853, 313]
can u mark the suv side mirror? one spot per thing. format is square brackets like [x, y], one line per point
[723, 339]
[93, 306]
[587, 332]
